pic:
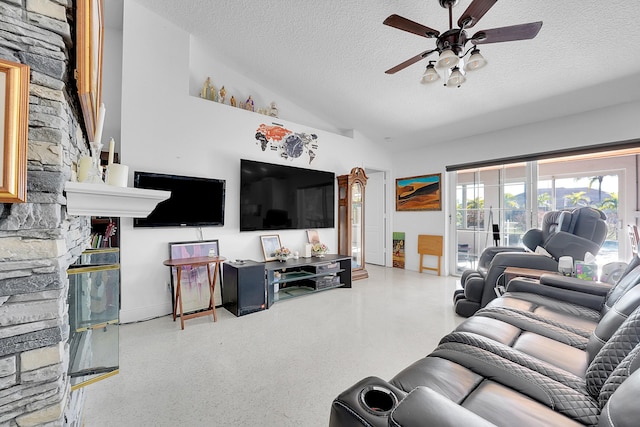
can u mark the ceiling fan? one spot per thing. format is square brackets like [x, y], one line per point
[451, 44]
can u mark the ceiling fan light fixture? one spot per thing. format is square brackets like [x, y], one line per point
[475, 61]
[456, 78]
[447, 59]
[430, 75]
[455, 58]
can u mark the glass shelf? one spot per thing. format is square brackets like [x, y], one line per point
[299, 275]
[94, 308]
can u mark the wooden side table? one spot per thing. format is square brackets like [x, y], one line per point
[195, 262]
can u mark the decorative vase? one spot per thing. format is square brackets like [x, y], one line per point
[282, 258]
[319, 254]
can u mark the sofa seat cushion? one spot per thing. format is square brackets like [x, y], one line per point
[492, 328]
[574, 322]
[501, 405]
[449, 379]
[425, 404]
[556, 353]
[499, 318]
[572, 317]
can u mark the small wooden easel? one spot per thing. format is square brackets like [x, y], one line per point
[430, 245]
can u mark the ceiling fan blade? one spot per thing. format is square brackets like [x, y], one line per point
[405, 24]
[410, 61]
[507, 34]
[474, 12]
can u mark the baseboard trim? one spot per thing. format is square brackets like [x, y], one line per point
[145, 313]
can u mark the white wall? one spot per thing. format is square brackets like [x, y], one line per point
[617, 123]
[167, 130]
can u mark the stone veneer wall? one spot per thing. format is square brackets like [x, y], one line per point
[38, 240]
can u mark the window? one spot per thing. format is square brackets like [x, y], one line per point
[513, 198]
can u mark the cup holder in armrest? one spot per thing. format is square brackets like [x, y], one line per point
[378, 400]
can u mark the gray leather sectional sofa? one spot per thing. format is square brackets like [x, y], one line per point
[554, 352]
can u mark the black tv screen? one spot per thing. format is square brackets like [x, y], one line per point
[194, 202]
[278, 197]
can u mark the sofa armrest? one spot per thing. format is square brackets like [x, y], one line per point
[575, 284]
[368, 403]
[489, 253]
[586, 294]
[424, 406]
[524, 260]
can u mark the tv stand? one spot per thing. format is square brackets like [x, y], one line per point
[303, 276]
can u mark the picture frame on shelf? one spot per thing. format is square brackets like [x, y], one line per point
[194, 281]
[419, 193]
[313, 236]
[270, 242]
[14, 113]
[90, 44]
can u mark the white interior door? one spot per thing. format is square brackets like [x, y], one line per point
[374, 220]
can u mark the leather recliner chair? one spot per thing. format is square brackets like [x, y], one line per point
[563, 233]
[531, 240]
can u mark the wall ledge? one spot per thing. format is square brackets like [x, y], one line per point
[107, 200]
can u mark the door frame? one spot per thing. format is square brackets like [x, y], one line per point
[387, 214]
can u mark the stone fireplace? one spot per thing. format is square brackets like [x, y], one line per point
[38, 239]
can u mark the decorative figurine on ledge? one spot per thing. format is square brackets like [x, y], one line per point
[249, 104]
[213, 93]
[222, 95]
[232, 101]
[273, 111]
[206, 89]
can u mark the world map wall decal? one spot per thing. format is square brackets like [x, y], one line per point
[287, 143]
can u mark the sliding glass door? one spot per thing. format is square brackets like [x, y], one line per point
[492, 209]
[496, 205]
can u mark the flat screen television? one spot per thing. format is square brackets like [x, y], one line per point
[194, 202]
[278, 197]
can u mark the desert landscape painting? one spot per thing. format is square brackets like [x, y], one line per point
[419, 193]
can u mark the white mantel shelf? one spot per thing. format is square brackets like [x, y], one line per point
[107, 200]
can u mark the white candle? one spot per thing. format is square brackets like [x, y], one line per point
[118, 175]
[101, 112]
[84, 165]
[112, 146]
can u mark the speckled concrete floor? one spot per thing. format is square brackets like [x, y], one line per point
[279, 367]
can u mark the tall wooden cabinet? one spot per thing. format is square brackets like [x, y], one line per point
[351, 220]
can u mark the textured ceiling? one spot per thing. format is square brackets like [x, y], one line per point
[330, 56]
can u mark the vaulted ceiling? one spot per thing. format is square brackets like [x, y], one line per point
[330, 57]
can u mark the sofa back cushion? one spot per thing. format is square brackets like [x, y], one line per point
[628, 366]
[607, 360]
[612, 320]
[628, 281]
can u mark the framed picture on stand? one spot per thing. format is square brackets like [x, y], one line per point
[313, 236]
[270, 243]
[194, 280]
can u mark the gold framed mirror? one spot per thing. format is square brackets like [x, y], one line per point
[89, 45]
[14, 128]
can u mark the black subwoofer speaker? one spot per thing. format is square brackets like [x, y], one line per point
[243, 287]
